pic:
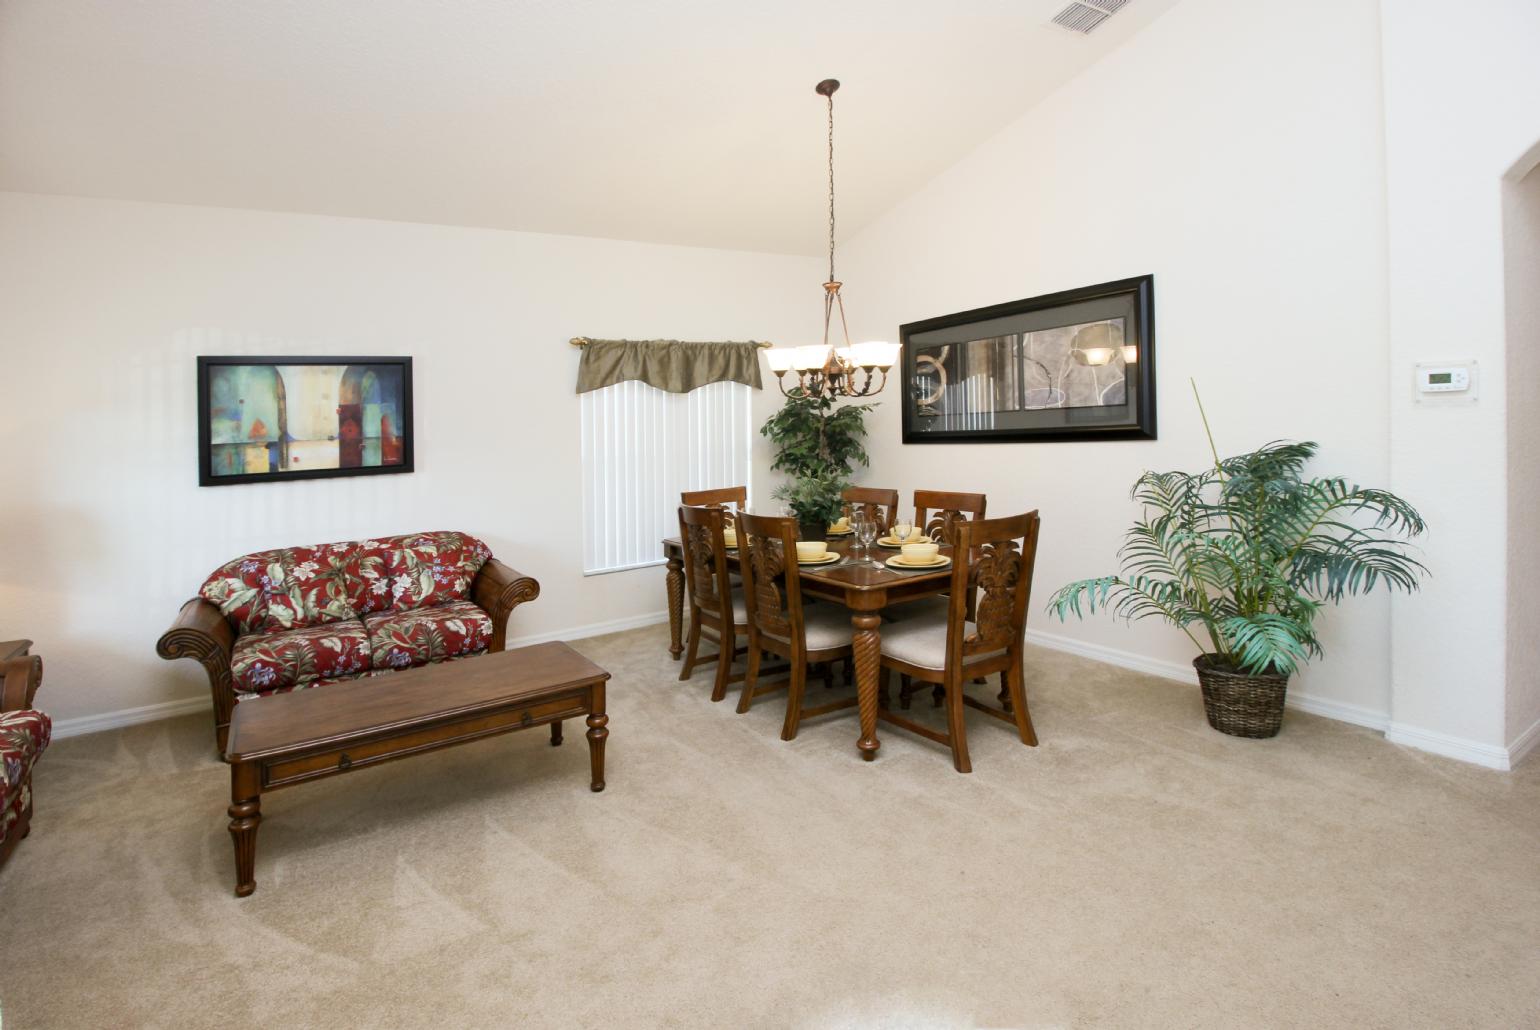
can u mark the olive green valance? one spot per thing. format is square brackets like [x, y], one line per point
[667, 364]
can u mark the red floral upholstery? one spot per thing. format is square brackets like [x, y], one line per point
[400, 640]
[240, 588]
[300, 587]
[24, 735]
[273, 662]
[430, 569]
[314, 587]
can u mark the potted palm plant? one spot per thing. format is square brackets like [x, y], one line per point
[1247, 553]
[816, 444]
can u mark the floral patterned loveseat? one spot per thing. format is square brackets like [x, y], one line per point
[304, 617]
[24, 733]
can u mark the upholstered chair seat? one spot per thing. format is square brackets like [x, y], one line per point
[922, 641]
[826, 628]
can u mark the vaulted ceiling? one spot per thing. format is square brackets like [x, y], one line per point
[672, 121]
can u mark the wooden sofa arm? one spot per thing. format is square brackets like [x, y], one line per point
[498, 590]
[20, 676]
[201, 632]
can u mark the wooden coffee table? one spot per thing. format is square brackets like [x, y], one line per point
[284, 739]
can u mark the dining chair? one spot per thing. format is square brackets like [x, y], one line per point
[881, 505]
[780, 624]
[714, 604]
[731, 499]
[951, 651]
[936, 512]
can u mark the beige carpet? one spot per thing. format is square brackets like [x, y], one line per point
[1137, 869]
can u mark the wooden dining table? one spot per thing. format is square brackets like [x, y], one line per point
[857, 584]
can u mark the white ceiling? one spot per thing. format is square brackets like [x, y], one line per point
[674, 121]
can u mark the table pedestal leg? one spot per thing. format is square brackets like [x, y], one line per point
[675, 578]
[245, 816]
[866, 645]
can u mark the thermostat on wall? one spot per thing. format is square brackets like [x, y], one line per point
[1446, 381]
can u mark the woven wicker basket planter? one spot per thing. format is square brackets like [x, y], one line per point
[1239, 704]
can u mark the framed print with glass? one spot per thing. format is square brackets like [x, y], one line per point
[1076, 365]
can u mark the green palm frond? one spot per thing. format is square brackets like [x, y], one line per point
[1251, 550]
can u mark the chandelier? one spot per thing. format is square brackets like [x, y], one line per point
[826, 372]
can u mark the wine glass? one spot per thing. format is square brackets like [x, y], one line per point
[866, 532]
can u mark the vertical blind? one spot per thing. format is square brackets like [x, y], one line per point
[642, 447]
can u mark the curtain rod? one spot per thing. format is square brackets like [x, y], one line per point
[583, 341]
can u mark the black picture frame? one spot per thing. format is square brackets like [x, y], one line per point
[396, 371]
[943, 403]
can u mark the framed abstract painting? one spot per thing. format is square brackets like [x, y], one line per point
[266, 419]
[1077, 365]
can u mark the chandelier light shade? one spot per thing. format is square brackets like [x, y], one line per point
[826, 372]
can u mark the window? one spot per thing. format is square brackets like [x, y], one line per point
[641, 448]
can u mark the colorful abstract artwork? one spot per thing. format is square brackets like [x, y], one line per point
[303, 418]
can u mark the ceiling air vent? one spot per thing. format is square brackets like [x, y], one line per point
[1085, 15]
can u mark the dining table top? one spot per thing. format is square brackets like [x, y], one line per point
[854, 573]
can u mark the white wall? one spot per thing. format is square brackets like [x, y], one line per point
[106, 304]
[1233, 150]
[1462, 109]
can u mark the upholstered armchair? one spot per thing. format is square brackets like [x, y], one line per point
[304, 617]
[24, 735]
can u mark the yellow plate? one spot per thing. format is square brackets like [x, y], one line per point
[828, 559]
[898, 561]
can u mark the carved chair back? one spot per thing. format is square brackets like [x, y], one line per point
[996, 556]
[881, 505]
[731, 499]
[771, 585]
[937, 512]
[705, 563]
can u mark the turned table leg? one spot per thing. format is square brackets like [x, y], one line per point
[597, 721]
[245, 816]
[556, 733]
[865, 645]
[675, 578]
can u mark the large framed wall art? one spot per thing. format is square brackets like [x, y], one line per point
[265, 419]
[1077, 365]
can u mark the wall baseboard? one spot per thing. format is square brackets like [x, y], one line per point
[129, 717]
[593, 629]
[1489, 755]
[1338, 710]
[171, 709]
[1523, 744]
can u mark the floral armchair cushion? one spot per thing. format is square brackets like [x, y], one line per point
[300, 587]
[24, 735]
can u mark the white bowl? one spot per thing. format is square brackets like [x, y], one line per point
[925, 551]
[811, 550]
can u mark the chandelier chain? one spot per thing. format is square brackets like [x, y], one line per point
[831, 186]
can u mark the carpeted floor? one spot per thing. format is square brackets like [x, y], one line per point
[1137, 869]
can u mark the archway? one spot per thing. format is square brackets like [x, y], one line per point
[1521, 282]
